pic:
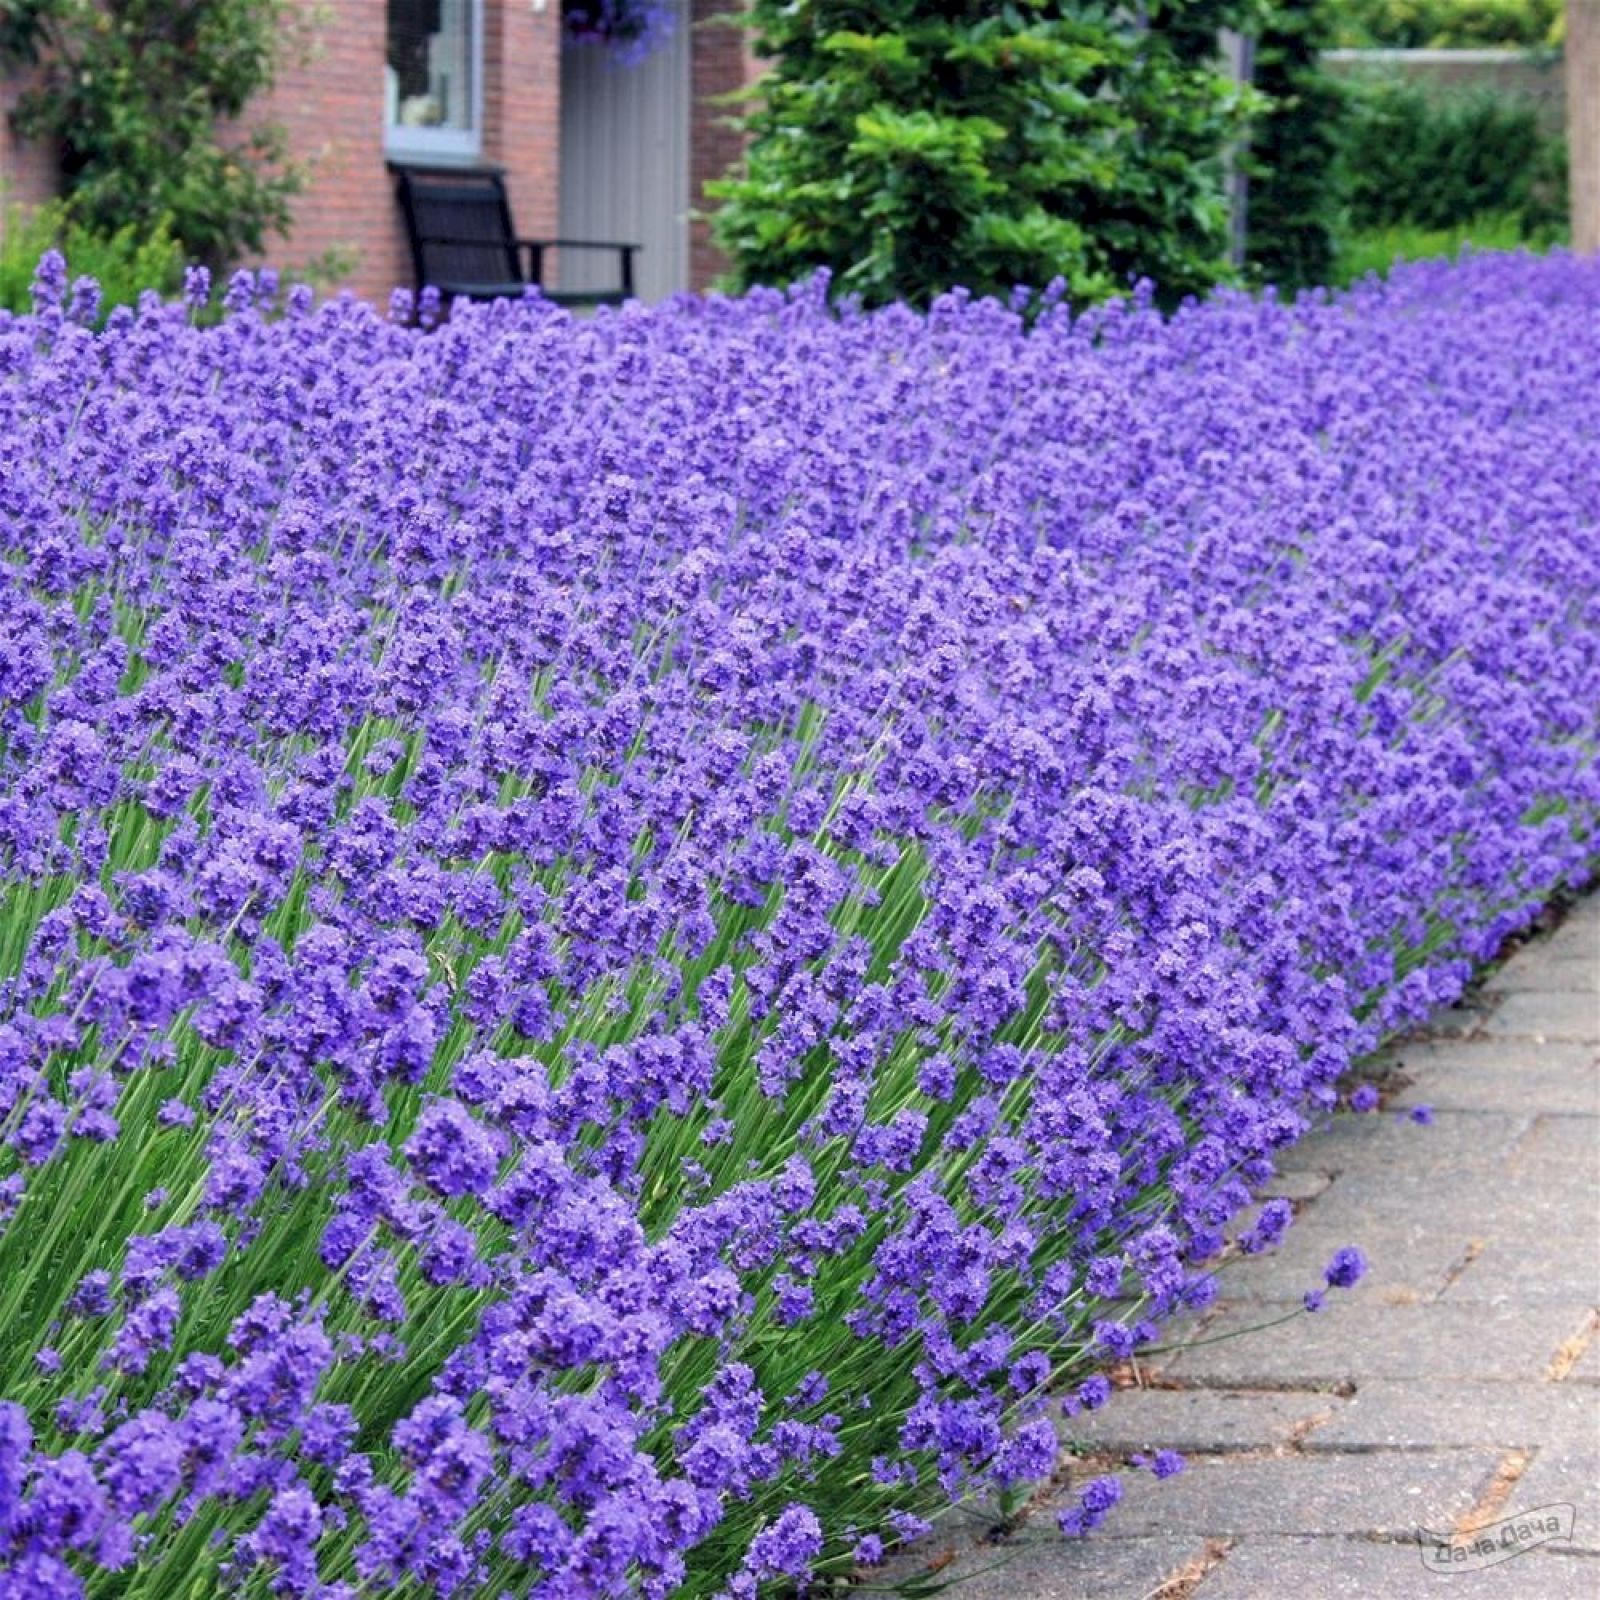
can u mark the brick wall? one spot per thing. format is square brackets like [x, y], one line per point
[719, 61]
[27, 171]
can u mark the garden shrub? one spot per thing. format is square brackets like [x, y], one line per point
[630, 945]
[1448, 24]
[123, 265]
[1409, 158]
[140, 99]
[1296, 205]
[909, 147]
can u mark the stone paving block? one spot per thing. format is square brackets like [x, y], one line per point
[1039, 1564]
[1502, 1075]
[1228, 1496]
[1559, 1015]
[1420, 1414]
[1460, 1205]
[1459, 1141]
[1209, 1421]
[1535, 1266]
[1297, 1183]
[1577, 939]
[1533, 972]
[1359, 1343]
[1564, 1477]
[1409, 1260]
[1566, 1144]
[1360, 1569]
[1466, 1017]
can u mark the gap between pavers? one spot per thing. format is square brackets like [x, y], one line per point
[1426, 1414]
[1206, 1421]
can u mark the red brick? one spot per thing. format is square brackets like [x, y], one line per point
[720, 62]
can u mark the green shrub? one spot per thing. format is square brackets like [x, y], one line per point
[1382, 248]
[124, 263]
[910, 146]
[1449, 24]
[1295, 205]
[1439, 163]
[141, 98]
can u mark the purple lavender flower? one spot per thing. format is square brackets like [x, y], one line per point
[1345, 1268]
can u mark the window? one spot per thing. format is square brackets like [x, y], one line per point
[433, 100]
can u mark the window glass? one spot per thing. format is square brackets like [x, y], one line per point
[432, 62]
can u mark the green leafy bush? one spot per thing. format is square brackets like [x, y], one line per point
[132, 259]
[1438, 163]
[1449, 24]
[139, 98]
[1381, 249]
[1295, 204]
[909, 147]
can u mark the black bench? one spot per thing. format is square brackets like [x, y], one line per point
[458, 222]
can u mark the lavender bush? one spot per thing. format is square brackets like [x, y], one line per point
[627, 942]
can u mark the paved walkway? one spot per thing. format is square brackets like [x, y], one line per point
[1456, 1386]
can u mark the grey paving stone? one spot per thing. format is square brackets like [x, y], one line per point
[1358, 1343]
[1409, 1259]
[1297, 1183]
[1421, 1413]
[1502, 1075]
[1227, 1496]
[1559, 1143]
[1460, 1021]
[1463, 1141]
[1564, 1477]
[1534, 971]
[1459, 1205]
[1039, 1564]
[1577, 939]
[1558, 1015]
[1359, 1569]
[1207, 1420]
[1534, 1266]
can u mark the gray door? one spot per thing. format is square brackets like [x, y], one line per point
[625, 163]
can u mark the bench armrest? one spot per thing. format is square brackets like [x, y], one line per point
[537, 247]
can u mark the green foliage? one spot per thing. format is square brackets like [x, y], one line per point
[1295, 203]
[909, 146]
[123, 263]
[1439, 163]
[1449, 24]
[1380, 249]
[139, 98]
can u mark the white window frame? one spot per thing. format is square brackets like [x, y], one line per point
[444, 144]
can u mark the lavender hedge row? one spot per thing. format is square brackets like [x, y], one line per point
[629, 945]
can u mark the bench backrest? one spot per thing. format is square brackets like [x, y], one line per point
[458, 206]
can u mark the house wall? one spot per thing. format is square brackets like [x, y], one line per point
[27, 171]
[330, 101]
[721, 63]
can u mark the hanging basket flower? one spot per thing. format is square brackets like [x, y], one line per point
[630, 30]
